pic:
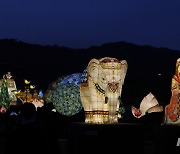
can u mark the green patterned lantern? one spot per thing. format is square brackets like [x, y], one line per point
[66, 97]
[48, 96]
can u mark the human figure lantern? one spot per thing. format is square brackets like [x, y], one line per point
[172, 110]
[101, 91]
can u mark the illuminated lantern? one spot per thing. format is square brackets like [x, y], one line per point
[149, 104]
[66, 97]
[97, 90]
[7, 85]
[172, 110]
[48, 96]
[37, 103]
[11, 85]
[101, 89]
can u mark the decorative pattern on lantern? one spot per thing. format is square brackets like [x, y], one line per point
[48, 96]
[72, 79]
[66, 97]
[101, 90]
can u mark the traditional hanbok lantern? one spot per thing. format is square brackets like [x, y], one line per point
[172, 111]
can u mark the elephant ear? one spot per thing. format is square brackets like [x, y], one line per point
[124, 67]
[93, 69]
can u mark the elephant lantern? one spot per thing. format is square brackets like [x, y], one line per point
[101, 91]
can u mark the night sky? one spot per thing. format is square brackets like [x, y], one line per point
[85, 23]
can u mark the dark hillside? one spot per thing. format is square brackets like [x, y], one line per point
[149, 68]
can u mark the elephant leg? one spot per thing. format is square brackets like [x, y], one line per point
[98, 109]
[88, 116]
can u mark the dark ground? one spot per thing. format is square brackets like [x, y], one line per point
[53, 133]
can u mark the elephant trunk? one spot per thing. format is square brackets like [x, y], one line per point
[112, 99]
[112, 114]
